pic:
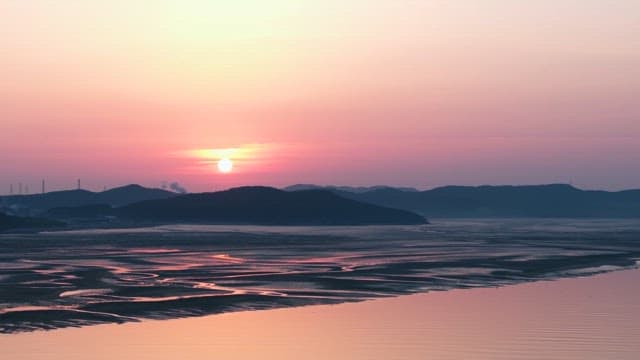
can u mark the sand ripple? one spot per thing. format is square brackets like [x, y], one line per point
[81, 278]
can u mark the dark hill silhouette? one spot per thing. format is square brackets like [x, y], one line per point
[130, 194]
[36, 203]
[8, 222]
[353, 189]
[264, 205]
[81, 212]
[554, 200]
[247, 205]
[40, 203]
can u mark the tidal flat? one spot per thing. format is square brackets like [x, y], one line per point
[87, 277]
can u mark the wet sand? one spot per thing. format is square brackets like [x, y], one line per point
[88, 277]
[596, 317]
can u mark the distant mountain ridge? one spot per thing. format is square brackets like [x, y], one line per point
[40, 203]
[552, 200]
[353, 189]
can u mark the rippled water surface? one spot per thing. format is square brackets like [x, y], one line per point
[87, 277]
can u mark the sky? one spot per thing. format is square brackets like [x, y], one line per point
[411, 93]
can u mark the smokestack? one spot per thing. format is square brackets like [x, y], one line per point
[79, 184]
[20, 188]
[43, 186]
[11, 189]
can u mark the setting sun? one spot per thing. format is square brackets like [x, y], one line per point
[225, 165]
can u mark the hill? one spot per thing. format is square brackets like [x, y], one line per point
[550, 201]
[264, 205]
[352, 189]
[130, 194]
[8, 222]
[39, 203]
[80, 212]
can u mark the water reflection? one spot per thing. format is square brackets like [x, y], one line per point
[590, 318]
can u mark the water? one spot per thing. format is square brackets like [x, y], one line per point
[586, 318]
[78, 278]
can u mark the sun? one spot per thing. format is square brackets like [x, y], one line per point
[225, 165]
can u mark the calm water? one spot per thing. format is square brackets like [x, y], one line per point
[587, 318]
[80, 278]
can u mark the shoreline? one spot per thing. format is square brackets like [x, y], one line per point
[419, 318]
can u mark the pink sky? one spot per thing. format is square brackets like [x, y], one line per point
[415, 93]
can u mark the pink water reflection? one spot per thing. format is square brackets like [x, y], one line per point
[584, 318]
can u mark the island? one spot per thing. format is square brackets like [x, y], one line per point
[266, 206]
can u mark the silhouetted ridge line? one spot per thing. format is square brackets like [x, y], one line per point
[353, 189]
[37, 204]
[265, 205]
[551, 201]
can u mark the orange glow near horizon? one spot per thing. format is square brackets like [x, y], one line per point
[249, 157]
